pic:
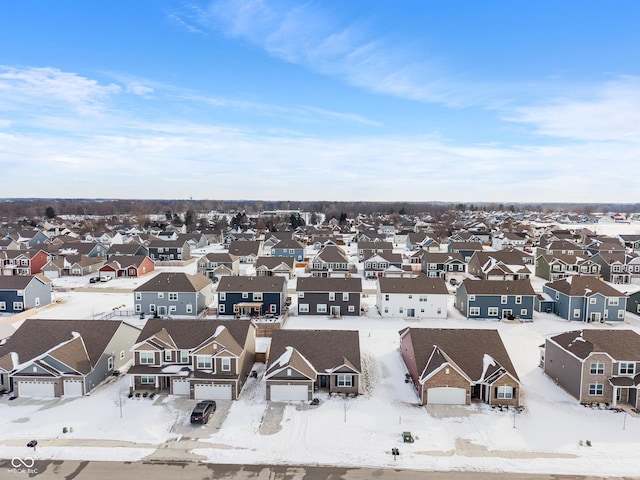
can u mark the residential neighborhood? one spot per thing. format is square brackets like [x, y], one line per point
[325, 317]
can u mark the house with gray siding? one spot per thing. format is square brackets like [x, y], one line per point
[329, 296]
[595, 365]
[174, 295]
[21, 292]
[556, 266]
[586, 299]
[218, 265]
[169, 250]
[289, 248]
[198, 359]
[302, 362]
[55, 358]
[495, 299]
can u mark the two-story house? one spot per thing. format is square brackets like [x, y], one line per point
[289, 248]
[420, 297]
[499, 265]
[333, 296]
[442, 265]
[376, 264]
[283, 266]
[556, 266]
[331, 261]
[616, 267]
[247, 251]
[20, 292]
[595, 365]
[217, 265]
[254, 296]
[199, 359]
[174, 294]
[495, 299]
[169, 250]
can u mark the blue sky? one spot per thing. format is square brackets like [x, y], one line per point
[508, 101]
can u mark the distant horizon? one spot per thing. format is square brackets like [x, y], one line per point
[322, 99]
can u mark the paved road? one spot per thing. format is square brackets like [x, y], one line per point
[74, 470]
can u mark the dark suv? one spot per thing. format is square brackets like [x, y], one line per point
[202, 411]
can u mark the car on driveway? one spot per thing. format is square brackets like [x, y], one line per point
[202, 411]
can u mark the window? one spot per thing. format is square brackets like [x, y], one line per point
[332, 296]
[3, 305]
[160, 294]
[152, 308]
[300, 294]
[626, 368]
[503, 299]
[439, 311]
[557, 295]
[613, 301]
[386, 309]
[596, 368]
[173, 297]
[620, 313]
[386, 297]
[147, 358]
[184, 356]
[422, 298]
[576, 313]
[518, 300]
[303, 308]
[122, 354]
[245, 294]
[504, 392]
[592, 300]
[321, 308]
[524, 312]
[492, 311]
[167, 355]
[345, 381]
[110, 363]
[189, 308]
[221, 308]
[20, 293]
[596, 389]
[401, 310]
[203, 362]
[226, 364]
[352, 308]
[257, 297]
[147, 379]
[17, 306]
[474, 311]
[472, 298]
[222, 296]
[345, 296]
[172, 308]
[138, 295]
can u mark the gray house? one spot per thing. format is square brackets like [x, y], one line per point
[595, 365]
[334, 296]
[174, 294]
[19, 292]
[218, 265]
[302, 362]
[586, 299]
[496, 299]
[54, 358]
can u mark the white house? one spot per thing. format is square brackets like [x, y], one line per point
[419, 297]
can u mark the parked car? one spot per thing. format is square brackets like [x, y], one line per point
[202, 411]
[453, 281]
[94, 279]
[105, 279]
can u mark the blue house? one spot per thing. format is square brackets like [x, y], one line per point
[586, 299]
[20, 292]
[288, 248]
[251, 296]
[495, 299]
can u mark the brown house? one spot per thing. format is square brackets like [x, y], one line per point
[201, 359]
[457, 366]
[304, 361]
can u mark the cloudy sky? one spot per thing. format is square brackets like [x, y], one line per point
[527, 101]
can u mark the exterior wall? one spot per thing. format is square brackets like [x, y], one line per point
[409, 358]
[443, 379]
[57, 383]
[37, 290]
[508, 381]
[543, 269]
[233, 298]
[313, 299]
[38, 261]
[563, 368]
[398, 305]
[589, 378]
[197, 301]
[564, 306]
[353, 390]
[298, 253]
[484, 302]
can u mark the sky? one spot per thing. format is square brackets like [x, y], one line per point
[426, 100]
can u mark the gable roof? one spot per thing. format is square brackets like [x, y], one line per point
[418, 285]
[467, 348]
[273, 262]
[329, 284]
[175, 282]
[620, 344]
[498, 287]
[583, 286]
[36, 337]
[20, 282]
[251, 284]
[325, 350]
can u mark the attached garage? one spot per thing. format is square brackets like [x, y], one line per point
[36, 389]
[181, 387]
[73, 388]
[212, 392]
[446, 396]
[289, 393]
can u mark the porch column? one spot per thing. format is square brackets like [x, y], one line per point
[614, 400]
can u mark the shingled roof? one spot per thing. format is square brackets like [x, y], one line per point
[498, 287]
[175, 282]
[584, 286]
[620, 344]
[418, 285]
[251, 284]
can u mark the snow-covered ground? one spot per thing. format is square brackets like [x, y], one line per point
[360, 431]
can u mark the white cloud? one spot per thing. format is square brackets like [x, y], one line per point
[137, 88]
[611, 113]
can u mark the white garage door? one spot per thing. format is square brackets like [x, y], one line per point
[212, 392]
[51, 274]
[73, 388]
[289, 393]
[181, 387]
[446, 396]
[36, 389]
